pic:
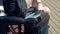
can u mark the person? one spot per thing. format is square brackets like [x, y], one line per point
[14, 14]
[14, 8]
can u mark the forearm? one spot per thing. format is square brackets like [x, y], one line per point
[15, 20]
[11, 20]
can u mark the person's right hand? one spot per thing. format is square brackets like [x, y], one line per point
[3, 14]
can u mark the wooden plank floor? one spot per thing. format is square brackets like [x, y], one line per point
[54, 22]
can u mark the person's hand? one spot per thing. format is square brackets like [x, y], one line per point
[46, 9]
[3, 14]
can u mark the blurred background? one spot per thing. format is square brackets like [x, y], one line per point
[54, 22]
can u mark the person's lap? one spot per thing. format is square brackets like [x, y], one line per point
[15, 20]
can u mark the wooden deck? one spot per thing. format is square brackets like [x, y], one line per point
[54, 22]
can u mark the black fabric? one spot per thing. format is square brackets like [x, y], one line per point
[29, 29]
[12, 8]
[8, 20]
[9, 6]
[15, 20]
